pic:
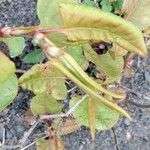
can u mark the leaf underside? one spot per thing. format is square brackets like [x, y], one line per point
[85, 23]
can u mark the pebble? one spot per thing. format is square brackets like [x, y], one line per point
[126, 122]
[147, 76]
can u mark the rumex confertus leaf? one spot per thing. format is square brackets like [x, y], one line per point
[85, 23]
[105, 117]
[89, 2]
[15, 45]
[106, 5]
[44, 79]
[49, 13]
[50, 17]
[8, 91]
[7, 67]
[36, 56]
[8, 81]
[43, 104]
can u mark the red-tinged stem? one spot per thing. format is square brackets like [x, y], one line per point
[31, 31]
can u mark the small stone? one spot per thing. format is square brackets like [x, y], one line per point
[147, 76]
[128, 136]
[146, 86]
[126, 122]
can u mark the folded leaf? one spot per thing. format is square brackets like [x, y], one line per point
[105, 117]
[43, 104]
[7, 68]
[8, 91]
[15, 45]
[45, 79]
[89, 23]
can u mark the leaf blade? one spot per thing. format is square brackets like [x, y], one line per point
[43, 104]
[15, 45]
[8, 91]
[99, 25]
[36, 56]
[44, 79]
[7, 67]
[105, 117]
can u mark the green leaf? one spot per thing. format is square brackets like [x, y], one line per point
[111, 67]
[89, 2]
[15, 45]
[50, 17]
[105, 117]
[49, 13]
[44, 78]
[43, 104]
[76, 52]
[106, 5]
[7, 68]
[36, 56]
[8, 91]
[138, 13]
[118, 4]
[89, 23]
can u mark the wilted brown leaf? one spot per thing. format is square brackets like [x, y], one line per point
[69, 126]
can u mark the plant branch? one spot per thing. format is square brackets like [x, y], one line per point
[27, 134]
[31, 31]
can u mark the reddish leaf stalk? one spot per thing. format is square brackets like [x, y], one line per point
[31, 31]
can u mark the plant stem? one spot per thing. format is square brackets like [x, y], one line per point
[20, 31]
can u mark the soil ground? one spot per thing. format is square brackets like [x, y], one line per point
[125, 135]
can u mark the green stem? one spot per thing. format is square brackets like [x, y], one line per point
[90, 91]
